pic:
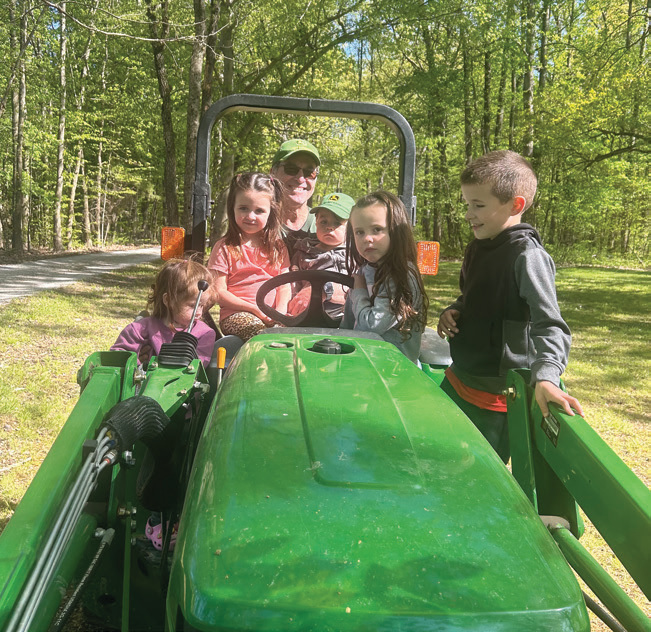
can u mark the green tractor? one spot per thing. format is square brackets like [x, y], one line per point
[320, 481]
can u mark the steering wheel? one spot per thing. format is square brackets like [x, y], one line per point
[315, 315]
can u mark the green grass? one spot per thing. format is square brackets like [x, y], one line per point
[44, 340]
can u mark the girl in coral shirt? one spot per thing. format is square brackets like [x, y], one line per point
[251, 252]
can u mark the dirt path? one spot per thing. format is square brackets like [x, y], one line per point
[30, 277]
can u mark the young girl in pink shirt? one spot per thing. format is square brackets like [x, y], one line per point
[251, 252]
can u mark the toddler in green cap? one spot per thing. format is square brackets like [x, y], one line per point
[326, 251]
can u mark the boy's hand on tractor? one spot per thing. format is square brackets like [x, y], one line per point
[547, 392]
[448, 323]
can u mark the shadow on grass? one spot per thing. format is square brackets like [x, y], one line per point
[616, 301]
[118, 295]
[77, 312]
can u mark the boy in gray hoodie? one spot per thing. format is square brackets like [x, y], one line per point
[507, 315]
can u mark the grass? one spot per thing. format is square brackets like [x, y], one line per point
[44, 339]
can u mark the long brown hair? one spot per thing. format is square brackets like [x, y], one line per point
[178, 279]
[398, 265]
[271, 234]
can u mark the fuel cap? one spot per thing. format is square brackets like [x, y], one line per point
[326, 346]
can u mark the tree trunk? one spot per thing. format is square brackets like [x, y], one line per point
[467, 107]
[228, 79]
[645, 30]
[57, 242]
[426, 213]
[73, 193]
[513, 108]
[100, 158]
[499, 116]
[80, 149]
[87, 234]
[211, 55]
[165, 91]
[226, 45]
[542, 77]
[569, 35]
[486, 118]
[194, 107]
[17, 44]
[528, 79]
[225, 155]
[437, 228]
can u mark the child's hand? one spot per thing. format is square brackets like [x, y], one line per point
[300, 302]
[547, 392]
[359, 282]
[144, 353]
[448, 323]
[268, 322]
[339, 294]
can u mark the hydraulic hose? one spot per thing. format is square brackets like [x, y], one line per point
[137, 418]
[52, 552]
[61, 543]
[62, 617]
[603, 614]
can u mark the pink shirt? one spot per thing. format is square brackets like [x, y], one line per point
[155, 332]
[244, 276]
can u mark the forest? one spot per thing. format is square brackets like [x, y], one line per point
[100, 103]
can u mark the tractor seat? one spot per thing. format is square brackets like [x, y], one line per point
[434, 350]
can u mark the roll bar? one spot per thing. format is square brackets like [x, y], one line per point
[292, 105]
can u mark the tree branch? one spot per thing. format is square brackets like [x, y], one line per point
[94, 29]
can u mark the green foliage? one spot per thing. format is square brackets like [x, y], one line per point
[455, 69]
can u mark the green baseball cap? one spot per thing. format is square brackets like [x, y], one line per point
[338, 203]
[296, 146]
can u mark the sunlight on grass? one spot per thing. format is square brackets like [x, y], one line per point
[44, 340]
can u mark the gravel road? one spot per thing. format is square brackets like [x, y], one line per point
[30, 277]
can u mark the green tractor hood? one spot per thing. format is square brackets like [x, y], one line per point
[359, 498]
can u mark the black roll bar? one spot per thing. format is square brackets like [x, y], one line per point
[292, 105]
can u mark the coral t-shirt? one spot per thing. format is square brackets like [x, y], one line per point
[245, 275]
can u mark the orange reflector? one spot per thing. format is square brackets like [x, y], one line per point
[428, 257]
[172, 242]
[221, 357]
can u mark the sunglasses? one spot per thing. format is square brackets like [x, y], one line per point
[310, 173]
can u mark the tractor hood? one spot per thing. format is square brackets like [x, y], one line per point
[347, 492]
